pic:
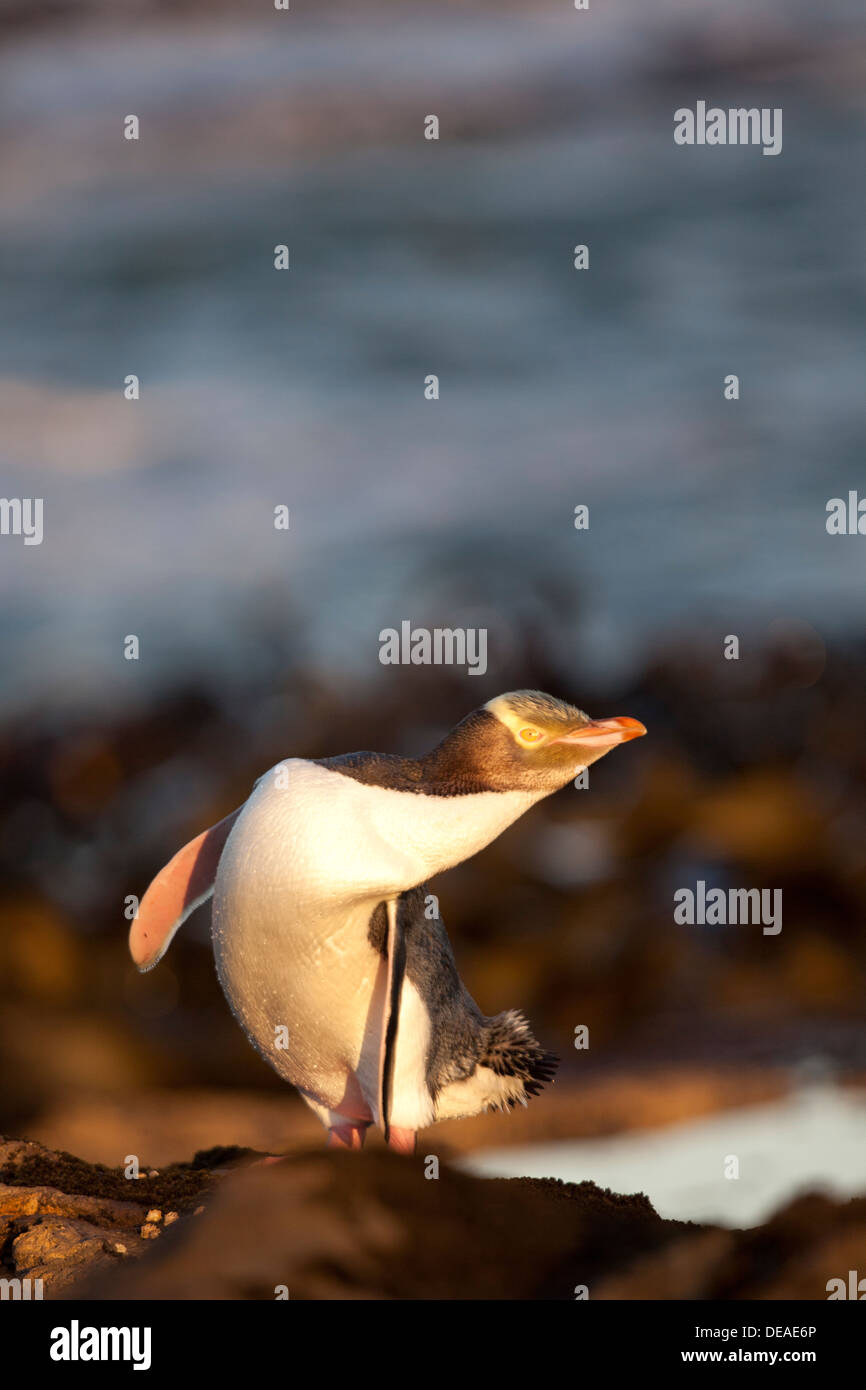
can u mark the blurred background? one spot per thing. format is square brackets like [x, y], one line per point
[558, 388]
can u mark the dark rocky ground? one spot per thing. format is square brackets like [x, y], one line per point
[327, 1225]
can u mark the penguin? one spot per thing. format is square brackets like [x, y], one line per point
[328, 946]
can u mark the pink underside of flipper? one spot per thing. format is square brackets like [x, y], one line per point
[186, 880]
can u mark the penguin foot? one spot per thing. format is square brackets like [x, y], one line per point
[347, 1136]
[402, 1141]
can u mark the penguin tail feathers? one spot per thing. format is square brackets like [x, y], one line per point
[511, 1050]
[178, 889]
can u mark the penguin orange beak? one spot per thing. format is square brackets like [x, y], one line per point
[605, 733]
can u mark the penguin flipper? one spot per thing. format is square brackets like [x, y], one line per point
[178, 889]
[395, 960]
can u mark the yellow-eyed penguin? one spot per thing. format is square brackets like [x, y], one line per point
[323, 947]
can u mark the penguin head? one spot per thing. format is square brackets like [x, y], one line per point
[528, 741]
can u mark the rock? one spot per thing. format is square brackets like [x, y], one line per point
[49, 1201]
[48, 1240]
[42, 1229]
[375, 1228]
[61, 1252]
[26, 1165]
[811, 1240]
[330, 1225]
[334, 1225]
[59, 1233]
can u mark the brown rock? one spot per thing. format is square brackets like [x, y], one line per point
[61, 1252]
[48, 1201]
[374, 1227]
[332, 1225]
[53, 1239]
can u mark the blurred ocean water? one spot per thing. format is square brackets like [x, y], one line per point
[412, 257]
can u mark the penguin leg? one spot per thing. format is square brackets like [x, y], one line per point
[344, 1131]
[402, 1141]
[347, 1136]
[344, 1134]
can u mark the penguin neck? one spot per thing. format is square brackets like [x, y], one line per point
[467, 761]
[446, 772]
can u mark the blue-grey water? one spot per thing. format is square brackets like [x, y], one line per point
[411, 257]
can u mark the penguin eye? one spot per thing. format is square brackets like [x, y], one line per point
[530, 735]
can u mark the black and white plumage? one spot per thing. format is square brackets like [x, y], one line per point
[471, 1061]
[326, 946]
